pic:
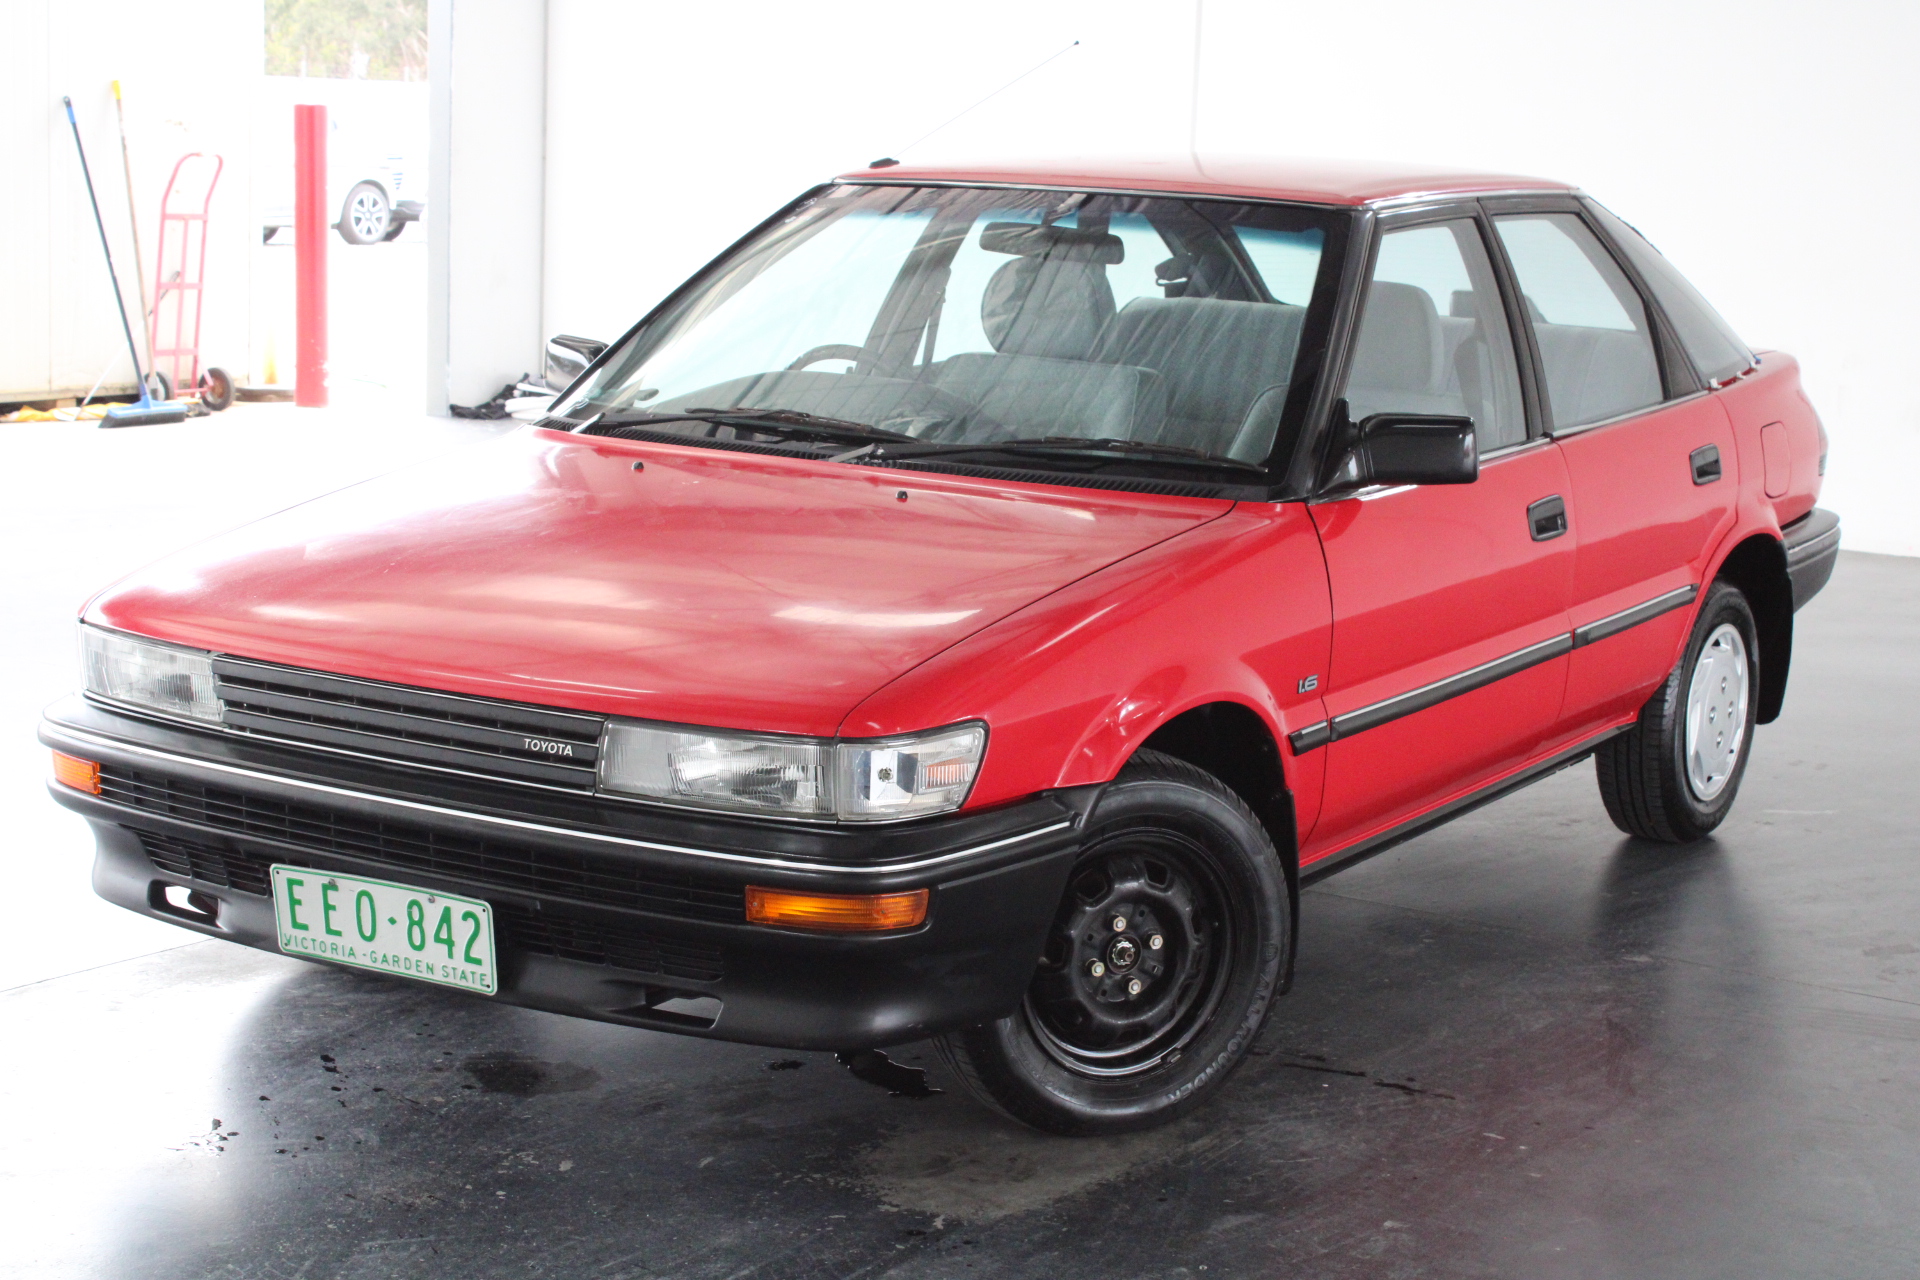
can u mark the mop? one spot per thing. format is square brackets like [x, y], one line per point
[147, 412]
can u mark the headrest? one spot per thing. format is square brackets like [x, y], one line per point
[1029, 239]
[1397, 336]
[1046, 306]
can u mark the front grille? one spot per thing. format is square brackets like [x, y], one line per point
[418, 726]
[602, 881]
[208, 863]
[548, 932]
[568, 937]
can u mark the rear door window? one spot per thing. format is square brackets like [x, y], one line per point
[1596, 345]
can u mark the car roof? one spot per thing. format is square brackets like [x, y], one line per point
[1337, 182]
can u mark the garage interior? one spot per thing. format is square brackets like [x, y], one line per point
[1518, 1045]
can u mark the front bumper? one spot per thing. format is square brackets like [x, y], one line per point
[621, 913]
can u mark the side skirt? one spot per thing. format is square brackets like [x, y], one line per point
[1319, 870]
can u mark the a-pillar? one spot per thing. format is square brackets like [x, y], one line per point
[487, 67]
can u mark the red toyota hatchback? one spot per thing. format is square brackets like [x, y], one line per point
[971, 608]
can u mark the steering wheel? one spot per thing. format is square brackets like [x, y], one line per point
[840, 351]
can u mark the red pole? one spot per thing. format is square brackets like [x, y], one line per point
[310, 254]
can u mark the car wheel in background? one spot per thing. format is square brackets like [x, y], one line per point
[216, 388]
[393, 232]
[1674, 776]
[1161, 966]
[366, 217]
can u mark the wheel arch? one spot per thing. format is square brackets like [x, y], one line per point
[1758, 566]
[1234, 743]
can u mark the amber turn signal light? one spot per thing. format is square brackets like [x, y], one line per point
[72, 771]
[840, 912]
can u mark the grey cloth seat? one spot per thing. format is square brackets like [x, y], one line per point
[1053, 299]
[1041, 396]
[1226, 366]
[1400, 363]
[1043, 312]
[1594, 374]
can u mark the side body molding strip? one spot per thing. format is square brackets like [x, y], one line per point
[1614, 623]
[1361, 719]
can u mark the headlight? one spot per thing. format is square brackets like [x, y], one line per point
[717, 771]
[142, 673]
[868, 781]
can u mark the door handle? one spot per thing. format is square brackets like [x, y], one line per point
[1547, 518]
[1706, 463]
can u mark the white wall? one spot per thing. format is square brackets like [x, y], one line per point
[59, 331]
[1759, 143]
[487, 75]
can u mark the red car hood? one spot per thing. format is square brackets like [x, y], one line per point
[711, 588]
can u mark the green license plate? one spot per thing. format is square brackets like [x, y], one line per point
[386, 927]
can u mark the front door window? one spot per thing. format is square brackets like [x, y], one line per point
[1433, 335]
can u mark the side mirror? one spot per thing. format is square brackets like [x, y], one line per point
[1412, 448]
[568, 358]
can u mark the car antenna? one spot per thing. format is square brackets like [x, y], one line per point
[887, 162]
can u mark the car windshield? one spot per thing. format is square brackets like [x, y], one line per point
[958, 317]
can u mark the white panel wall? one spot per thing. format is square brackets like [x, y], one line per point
[487, 78]
[59, 331]
[1766, 147]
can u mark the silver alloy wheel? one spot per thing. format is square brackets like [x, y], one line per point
[368, 214]
[1717, 712]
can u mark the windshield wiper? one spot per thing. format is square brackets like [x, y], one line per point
[1177, 454]
[791, 423]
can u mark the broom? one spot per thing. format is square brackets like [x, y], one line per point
[147, 412]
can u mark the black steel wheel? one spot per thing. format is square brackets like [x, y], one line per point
[1162, 963]
[1673, 777]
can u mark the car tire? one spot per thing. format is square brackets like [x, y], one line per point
[1673, 776]
[1179, 856]
[365, 216]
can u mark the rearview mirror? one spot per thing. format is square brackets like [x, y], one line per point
[1412, 448]
[568, 358]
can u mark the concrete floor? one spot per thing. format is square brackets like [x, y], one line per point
[1521, 1046]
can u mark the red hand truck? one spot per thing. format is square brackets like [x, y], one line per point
[178, 287]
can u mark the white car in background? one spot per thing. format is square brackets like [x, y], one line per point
[367, 200]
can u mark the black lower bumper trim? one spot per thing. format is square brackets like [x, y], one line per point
[1812, 546]
[969, 963]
